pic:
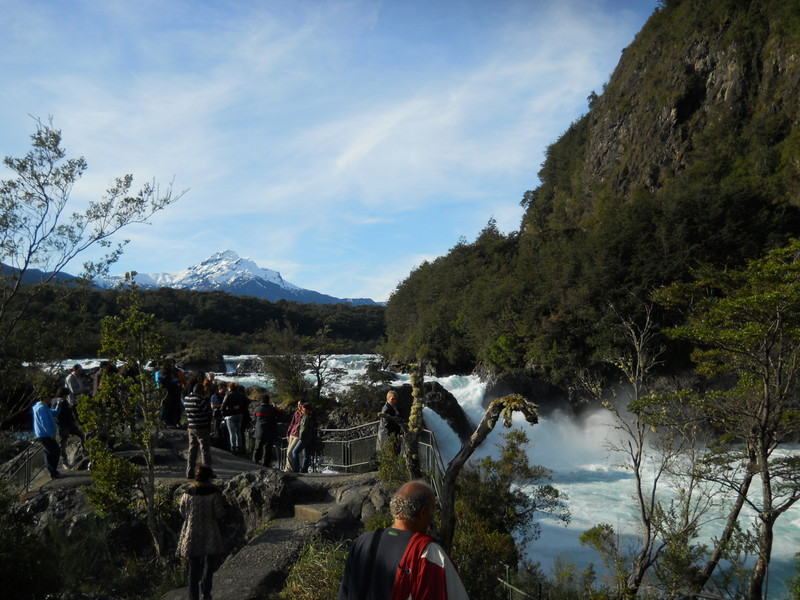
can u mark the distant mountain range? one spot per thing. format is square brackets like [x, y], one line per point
[227, 272]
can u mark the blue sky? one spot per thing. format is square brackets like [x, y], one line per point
[341, 143]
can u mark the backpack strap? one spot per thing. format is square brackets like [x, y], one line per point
[363, 589]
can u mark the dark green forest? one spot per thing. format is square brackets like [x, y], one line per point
[689, 156]
[216, 321]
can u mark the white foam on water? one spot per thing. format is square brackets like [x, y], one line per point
[583, 467]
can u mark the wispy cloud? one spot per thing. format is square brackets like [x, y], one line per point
[310, 134]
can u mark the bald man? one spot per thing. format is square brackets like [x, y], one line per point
[402, 562]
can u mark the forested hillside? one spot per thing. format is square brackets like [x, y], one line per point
[217, 321]
[691, 154]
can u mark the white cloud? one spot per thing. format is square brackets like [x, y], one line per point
[310, 133]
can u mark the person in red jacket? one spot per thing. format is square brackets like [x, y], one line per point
[402, 562]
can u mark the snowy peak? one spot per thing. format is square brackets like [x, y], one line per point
[227, 268]
[226, 271]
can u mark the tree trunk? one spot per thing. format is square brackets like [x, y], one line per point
[501, 406]
[759, 573]
[415, 423]
[153, 523]
[708, 570]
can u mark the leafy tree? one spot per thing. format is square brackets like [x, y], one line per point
[746, 324]
[127, 411]
[497, 504]
[501, 407]
[39, 236]
[287, 366]
[662, 435]
[636, 362]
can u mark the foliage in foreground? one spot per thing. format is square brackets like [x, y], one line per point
[84, 558]
[316, 575]
[498, 502]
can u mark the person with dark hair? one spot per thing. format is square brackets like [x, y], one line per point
[402, 561]
[74, 383]
[233, 408]
[97, 379]
[305, 436]
[45, 429]
[291, 435]
[198, 418]
[216, 410]
[67, 424]
[171, 383]
[200, 540]
[266, 417]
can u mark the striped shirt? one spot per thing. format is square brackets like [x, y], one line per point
[198, 412]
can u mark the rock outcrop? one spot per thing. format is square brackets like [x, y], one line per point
[271, 514]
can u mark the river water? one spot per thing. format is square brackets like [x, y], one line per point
[600, 490]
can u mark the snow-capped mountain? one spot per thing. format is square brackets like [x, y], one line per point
[226, 271]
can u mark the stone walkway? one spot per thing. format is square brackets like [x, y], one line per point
[261, 566]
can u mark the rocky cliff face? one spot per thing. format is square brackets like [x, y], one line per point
[690, 155]
[698, 69]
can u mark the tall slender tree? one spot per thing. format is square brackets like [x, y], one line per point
[40, 236]
[746, 325]
[127, 409]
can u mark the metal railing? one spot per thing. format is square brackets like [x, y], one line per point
[352, 450]
[343, 450]
[20, 471]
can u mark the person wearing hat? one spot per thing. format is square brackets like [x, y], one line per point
[200, 540]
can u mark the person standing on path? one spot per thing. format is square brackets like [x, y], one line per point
[45, 429]
[292, 435]
[198, 417]
[74, 383]
[200, 540]
[67, 425]
[266, 417]
[389, 426]
[233, 408]
[402, 561]
[305, 436]
[216, 409]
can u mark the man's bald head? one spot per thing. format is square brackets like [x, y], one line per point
[413, 505]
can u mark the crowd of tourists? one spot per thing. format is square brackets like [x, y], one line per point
[401, 561]
[214, 413]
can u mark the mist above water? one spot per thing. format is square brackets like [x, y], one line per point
[576, 450]
[600, 489]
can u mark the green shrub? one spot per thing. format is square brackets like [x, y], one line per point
[316, 575]
[392, 470]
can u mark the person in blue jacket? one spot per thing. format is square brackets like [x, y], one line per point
[45, 429]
